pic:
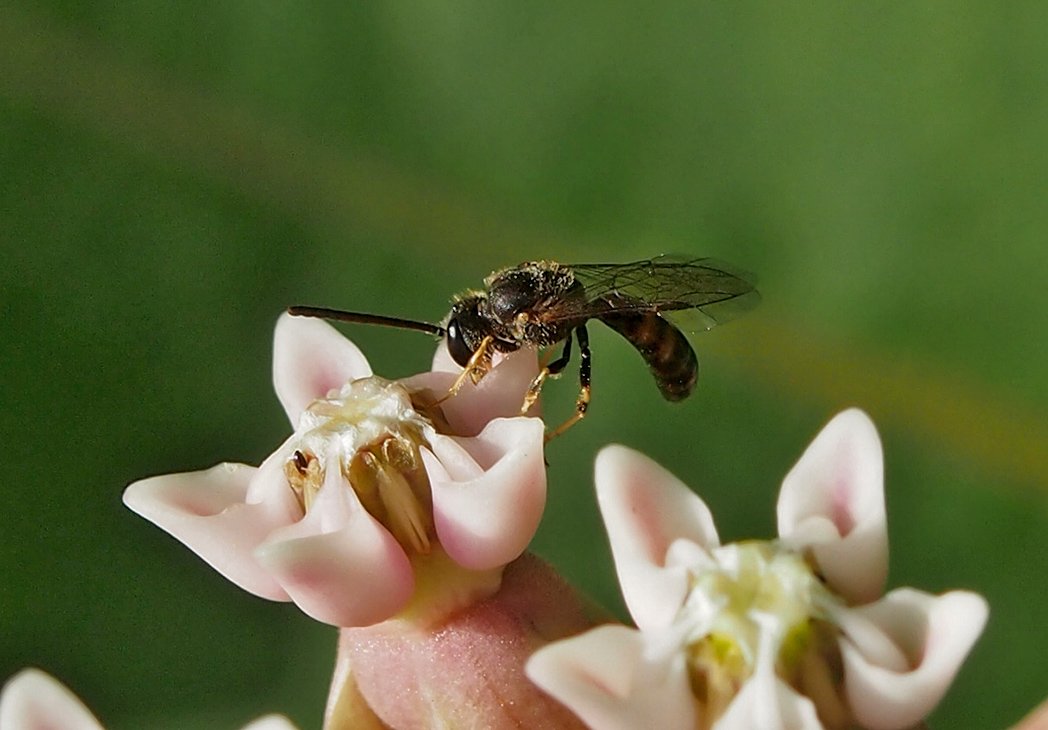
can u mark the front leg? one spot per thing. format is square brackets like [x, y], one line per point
[475, 369]
[585, 373]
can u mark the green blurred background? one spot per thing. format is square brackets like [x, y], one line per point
[173, 175]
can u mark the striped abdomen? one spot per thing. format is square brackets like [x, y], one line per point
[663, 347]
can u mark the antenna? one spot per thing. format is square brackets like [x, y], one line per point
[339, 315]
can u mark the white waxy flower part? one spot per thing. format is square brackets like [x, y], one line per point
[778, 634]
[34, 700]
[755, 604]
[370, 435]
[377, 485]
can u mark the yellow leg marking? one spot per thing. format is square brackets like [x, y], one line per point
[581, 406]
[475, 369]
[534, 389]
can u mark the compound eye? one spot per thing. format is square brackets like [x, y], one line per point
[457, 347]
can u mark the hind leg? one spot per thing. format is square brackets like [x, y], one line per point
[585, 375]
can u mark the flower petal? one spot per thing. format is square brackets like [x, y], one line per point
[486, 515]
[499, 394]
[832, 502]
[310, 358]
[270, 722]
[605, 677]
[646, 509]
[338, 564]
[934, 634]
[206, 511]
[34, 700]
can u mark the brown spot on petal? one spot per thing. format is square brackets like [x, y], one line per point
[304, 477]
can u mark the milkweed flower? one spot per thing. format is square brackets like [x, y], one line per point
[790, 633]
[34, 700]
[400, 517]
[380, 484]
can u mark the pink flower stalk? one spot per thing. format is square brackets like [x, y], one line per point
[34, 700]
[792, 633]
[380, 483]
[463, 669]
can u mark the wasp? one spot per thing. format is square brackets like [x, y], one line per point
[538, 304]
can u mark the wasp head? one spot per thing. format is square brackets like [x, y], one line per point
[466, 328]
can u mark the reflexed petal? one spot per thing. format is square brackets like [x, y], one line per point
[646, 509]
[310, 358]
[338, 563]
[206, 511]
[933, 634]
[605, 678]
[877, 647]
[34, 700]
[488, 492]
[833, 502]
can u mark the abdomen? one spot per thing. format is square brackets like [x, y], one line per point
[669, 355]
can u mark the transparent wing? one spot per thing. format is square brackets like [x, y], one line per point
[696, 293]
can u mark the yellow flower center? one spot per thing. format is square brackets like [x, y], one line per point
[753, 591]
[371, 432]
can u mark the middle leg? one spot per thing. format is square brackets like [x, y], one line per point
[554, 368]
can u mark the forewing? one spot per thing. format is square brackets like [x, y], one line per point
[696, 293]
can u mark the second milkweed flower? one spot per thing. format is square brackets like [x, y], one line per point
[34, 700]
[770, 634]
[378, 483]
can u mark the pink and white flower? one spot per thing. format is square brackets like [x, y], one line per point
[380, 482]
[789, 633]
[34, 700]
